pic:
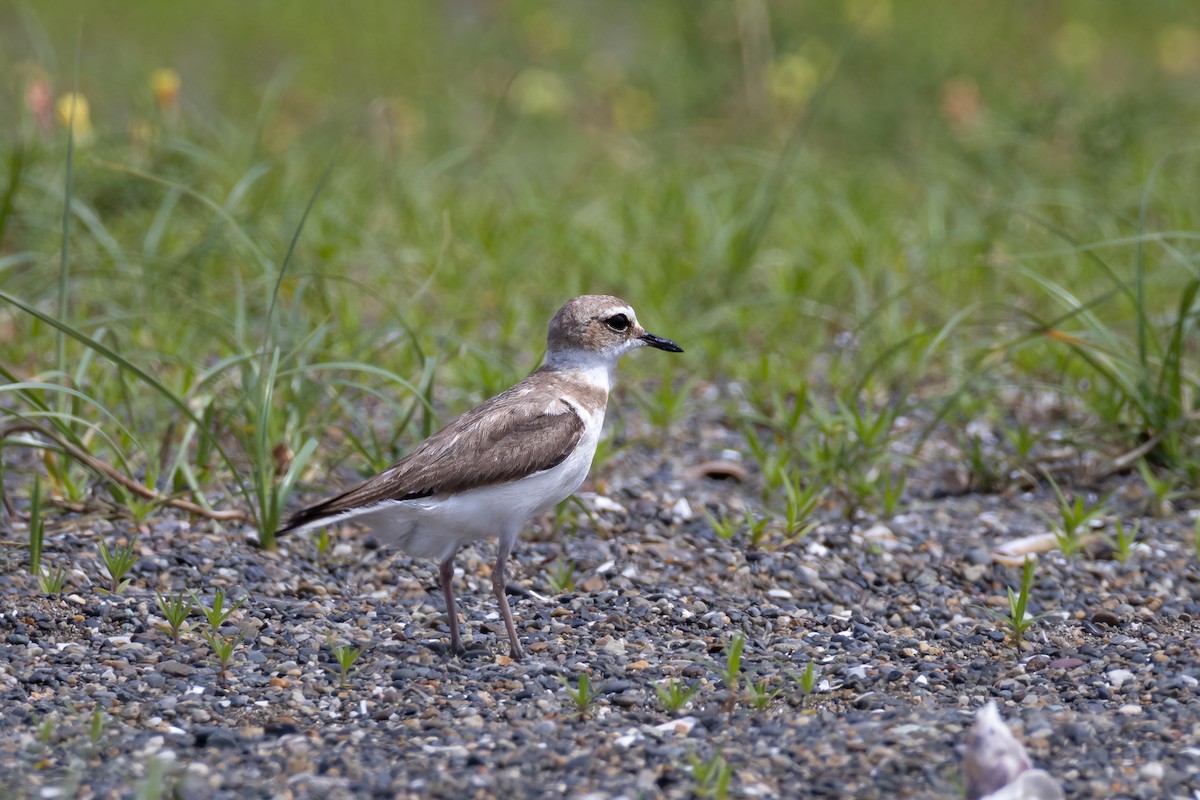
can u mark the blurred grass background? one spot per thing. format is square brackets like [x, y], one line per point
[872, 198]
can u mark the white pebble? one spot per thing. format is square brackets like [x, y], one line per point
[1118, 677]
[682, 510]
[599, 502]
[879, 533]
[615, 646]
[1153, 771]
[682, 726]
[629, 738]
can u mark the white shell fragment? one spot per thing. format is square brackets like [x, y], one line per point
[997, 766]
[1013, 553]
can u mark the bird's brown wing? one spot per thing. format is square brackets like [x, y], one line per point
[496, 442]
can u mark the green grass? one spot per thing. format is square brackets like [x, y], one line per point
[760, 693]
[222, 645]
[217, 613]
[731, 671]
[582, 695]
[1015, 618]
[712, 776]
[345, 656]
[1074, 518]
[563, 576]
[354, 223]
[175, 609]
[1125, 539]
[37, 528]
[223, 648]
[96, 730]
[117, 561]
[51, 582]
[1162, 491]
[807, 681]
[674, 694]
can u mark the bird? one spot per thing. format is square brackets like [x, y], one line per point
[514, 456]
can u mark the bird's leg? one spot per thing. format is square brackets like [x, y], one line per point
[498, 585]
[446, 570]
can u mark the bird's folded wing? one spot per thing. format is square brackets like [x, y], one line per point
[488, 445]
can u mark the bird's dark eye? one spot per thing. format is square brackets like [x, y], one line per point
[618, 322]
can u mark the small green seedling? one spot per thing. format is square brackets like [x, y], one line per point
[725, 527]
[985, 477]
[345, 655]
[666, 405]
[891, 492]
[712, 776]
[761, 694]
[731, 673]
[858, 488]
[96, 729]
[772, 461]
[52, 582]
[322, 543]
[582, 694]
[139, 508]
[1023, 439]
[808, 681]
[803, 500]
[563, 577]
[48, 582]
[45, 729]
[1124, 540]
[1162, 490]
[71, 480]
[153, 784]
[222, 647]
[675, 694]
[756, 529]
[117, 563]
[217, 614]
[175, 609]
[1074, 517]
[1016, 620]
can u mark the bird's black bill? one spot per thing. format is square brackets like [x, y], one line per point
[660, 343]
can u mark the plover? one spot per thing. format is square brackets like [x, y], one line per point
[487, 473]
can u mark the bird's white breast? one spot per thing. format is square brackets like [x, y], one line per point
[436, 527]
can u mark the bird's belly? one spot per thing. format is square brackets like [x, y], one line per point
[436, 527]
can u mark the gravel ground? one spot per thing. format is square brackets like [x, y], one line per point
[893, 615]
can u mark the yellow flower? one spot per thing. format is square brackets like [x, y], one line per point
[793, 79]
[539, 92]
[165, 85]
[73, 113]
[1179, 50]
[633, 110]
